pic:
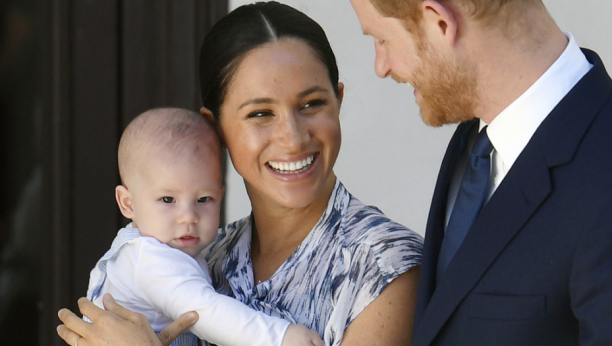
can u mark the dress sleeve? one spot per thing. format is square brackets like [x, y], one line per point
[173, 283]
[387, 251]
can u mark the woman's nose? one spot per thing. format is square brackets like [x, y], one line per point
[381, 65]
[293, 131]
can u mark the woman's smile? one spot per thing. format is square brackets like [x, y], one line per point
[291, 167]
[280, 122]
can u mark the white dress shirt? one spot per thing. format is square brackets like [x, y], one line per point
[512, 129]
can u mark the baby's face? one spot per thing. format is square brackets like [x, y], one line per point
[178, 201]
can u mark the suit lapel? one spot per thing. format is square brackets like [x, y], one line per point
[523, 190]
[508, 210]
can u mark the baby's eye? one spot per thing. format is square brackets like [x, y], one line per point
[203, 199]
[167, 199]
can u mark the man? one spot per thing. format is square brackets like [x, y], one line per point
[518, 246]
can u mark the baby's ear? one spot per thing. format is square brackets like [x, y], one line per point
[124, 200]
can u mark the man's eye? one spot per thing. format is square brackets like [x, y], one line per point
[203, 199]
[167, 199]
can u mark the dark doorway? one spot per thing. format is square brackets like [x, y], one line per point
[72, 75]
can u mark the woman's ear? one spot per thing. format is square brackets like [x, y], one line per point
[124, 200]
[208, 115]
[340, 92]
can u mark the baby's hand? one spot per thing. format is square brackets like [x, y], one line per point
[299, 335]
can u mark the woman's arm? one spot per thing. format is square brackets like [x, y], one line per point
[387, 320]
[116, 326]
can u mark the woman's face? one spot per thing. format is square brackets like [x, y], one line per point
[280, 122]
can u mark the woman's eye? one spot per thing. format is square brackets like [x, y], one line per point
[203, 199]
[167, 199]
[314, 104]
[259, 114]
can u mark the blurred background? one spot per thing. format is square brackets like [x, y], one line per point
[74, 73]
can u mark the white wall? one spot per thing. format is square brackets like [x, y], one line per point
[389, 157]
[590, 21]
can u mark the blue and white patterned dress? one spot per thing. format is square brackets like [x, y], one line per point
[345, 262]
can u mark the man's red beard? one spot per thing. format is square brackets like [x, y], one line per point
[447, 88]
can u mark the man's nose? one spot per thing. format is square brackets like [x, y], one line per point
[381, 65]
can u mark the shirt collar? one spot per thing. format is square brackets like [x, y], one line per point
[512, 129]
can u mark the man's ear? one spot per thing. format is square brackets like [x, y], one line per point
[124, 200]
[208, 115]
[440, 20]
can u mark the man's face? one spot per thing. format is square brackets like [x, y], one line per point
[444, 87]
[396, 51]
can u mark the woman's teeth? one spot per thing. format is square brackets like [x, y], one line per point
[291, 167]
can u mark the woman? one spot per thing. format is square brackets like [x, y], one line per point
[309, 252]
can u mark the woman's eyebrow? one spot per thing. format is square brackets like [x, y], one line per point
[256, 101]
[261, 100]
[312, 90]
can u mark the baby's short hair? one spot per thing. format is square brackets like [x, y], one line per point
[171, 133]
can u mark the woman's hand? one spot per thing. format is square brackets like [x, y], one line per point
[116, 326]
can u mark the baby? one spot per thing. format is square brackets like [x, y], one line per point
[170, 167]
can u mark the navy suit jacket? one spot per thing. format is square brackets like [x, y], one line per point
[536, 267]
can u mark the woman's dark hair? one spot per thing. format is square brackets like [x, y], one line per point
[247, 28]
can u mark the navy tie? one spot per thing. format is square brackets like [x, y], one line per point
[470, 198]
